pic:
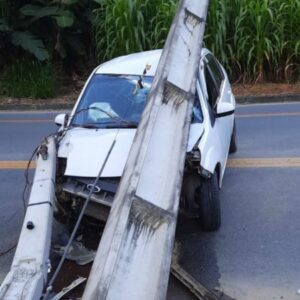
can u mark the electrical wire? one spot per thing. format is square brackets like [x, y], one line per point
[24, 200]
[50, 284]
[27, 181]
[79, 219]
[116, 118]
[58, 136]
[9, 249]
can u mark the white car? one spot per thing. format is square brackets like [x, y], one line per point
[110, 107]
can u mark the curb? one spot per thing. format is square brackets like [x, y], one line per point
[268, 99]
[68, 106]
[39, 106]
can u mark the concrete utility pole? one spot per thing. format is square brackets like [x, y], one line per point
[134, 255]
[30, 266]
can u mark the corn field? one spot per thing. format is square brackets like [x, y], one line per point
[126, 26]
[256, 40]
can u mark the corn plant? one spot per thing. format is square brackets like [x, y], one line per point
[216, 29]
[126, 26]
[256, 40]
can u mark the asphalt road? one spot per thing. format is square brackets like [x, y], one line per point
[256, 253]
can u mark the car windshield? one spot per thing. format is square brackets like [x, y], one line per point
[115, 101]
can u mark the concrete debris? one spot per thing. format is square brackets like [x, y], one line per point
[68, 288]
[77, 252]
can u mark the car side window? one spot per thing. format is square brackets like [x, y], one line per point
[197, 116]
[216, 70]
[214, 78]
[212, 90]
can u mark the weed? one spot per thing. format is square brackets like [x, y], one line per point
[28, 79]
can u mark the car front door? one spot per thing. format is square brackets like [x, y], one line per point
[220, 104]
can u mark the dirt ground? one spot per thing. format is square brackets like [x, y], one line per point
[266, 89]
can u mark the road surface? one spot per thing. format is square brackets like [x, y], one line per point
[255, 254]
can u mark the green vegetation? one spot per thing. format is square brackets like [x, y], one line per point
[28, 79]
[48, 30]
[126, 26]
[256, 40]
[56, 32]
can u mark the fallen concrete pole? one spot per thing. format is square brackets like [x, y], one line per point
[134, 256]
[30, 266]
[189, 281]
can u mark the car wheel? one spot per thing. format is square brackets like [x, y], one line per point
[189, 187]
[233, 143]
[207, 196]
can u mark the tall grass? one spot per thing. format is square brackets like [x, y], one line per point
[256, 40]
[28, 79]
[126, 26]
[262, 38]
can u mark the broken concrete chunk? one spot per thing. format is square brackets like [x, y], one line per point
[77, 252]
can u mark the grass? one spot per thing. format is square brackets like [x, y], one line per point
[126, 26]
[28, 79]
[256, 40]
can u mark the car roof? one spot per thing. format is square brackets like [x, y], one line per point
[134, 64]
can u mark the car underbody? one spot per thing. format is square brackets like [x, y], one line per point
[71, 192]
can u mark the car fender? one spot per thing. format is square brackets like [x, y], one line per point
[211, 155]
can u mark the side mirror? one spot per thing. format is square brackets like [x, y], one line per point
[61, 119]
[224, 109]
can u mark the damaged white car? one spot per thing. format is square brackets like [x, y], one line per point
[110, 108]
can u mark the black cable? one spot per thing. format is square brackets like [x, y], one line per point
[27, 183]
[116, 118]
[26, 174]
[58, 138]
[49, 287]
[9, 249]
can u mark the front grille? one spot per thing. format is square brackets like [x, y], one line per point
[106, 188]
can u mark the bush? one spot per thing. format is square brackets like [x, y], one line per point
[28, 79]
[46, 30]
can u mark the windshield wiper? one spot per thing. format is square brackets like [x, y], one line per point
[99, 125]
[89, 126]
[85, 125]
[120, 125]
[113, 117]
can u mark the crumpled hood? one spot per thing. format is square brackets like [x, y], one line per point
[86, 150]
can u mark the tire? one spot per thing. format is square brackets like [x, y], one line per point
[189, 205]
[233, 143]
[207, 196]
